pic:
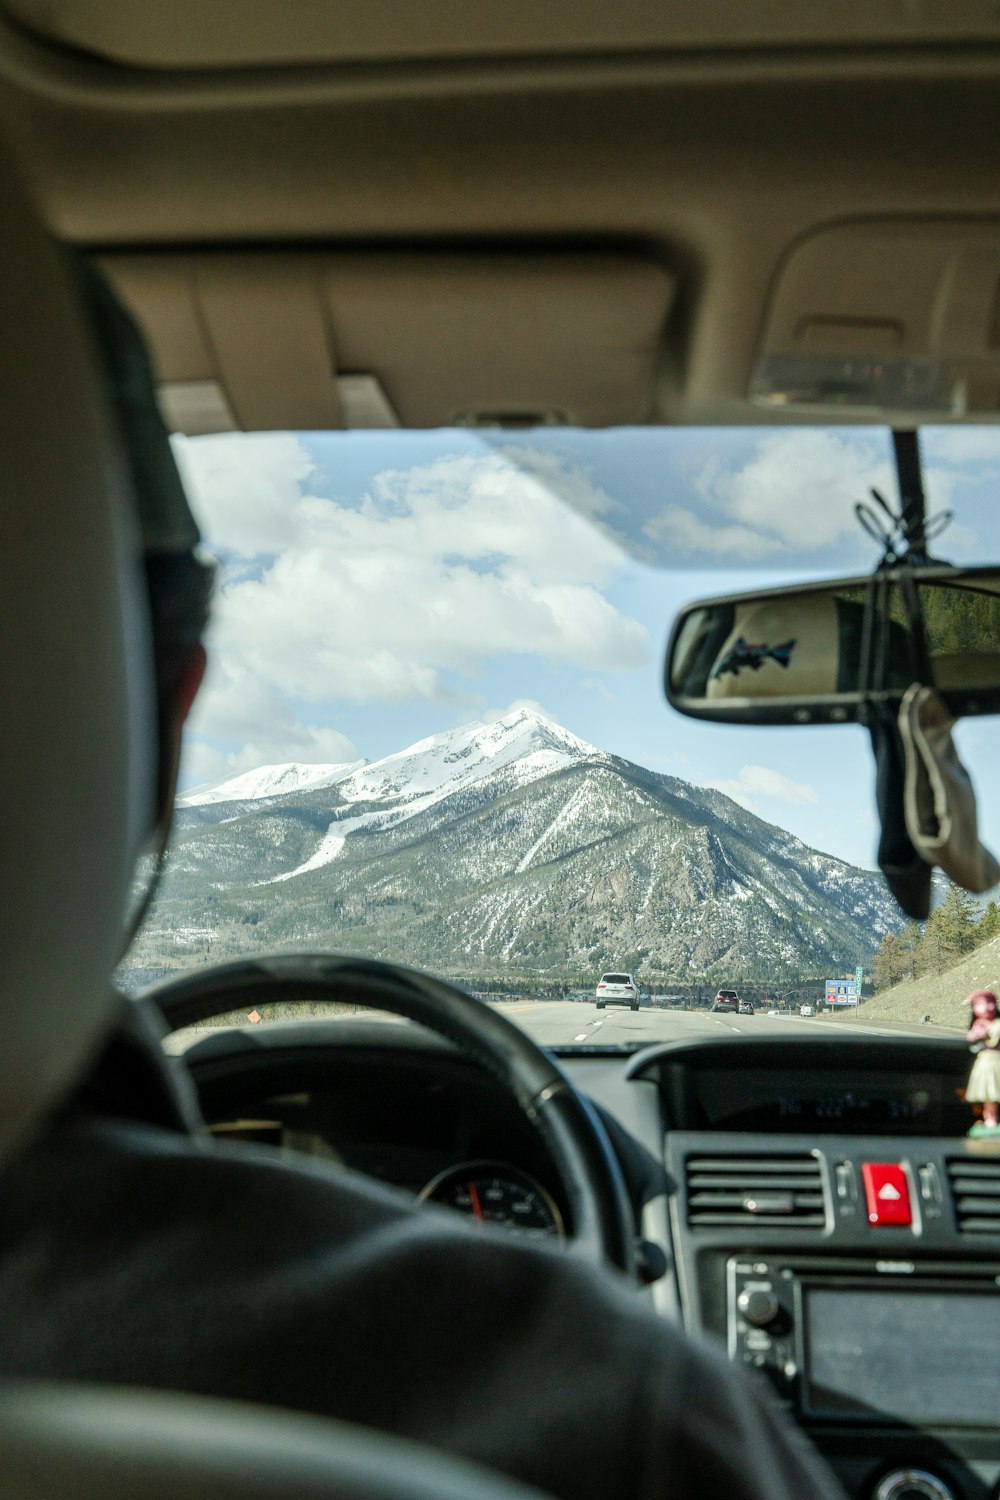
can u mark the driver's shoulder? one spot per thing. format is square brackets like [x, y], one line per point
[139, 1180]
[140, 1230]
[167, 1213]
[136, 1254]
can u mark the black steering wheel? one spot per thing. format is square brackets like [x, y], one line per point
[600, 1215]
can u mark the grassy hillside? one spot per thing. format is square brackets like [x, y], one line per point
[939, 996]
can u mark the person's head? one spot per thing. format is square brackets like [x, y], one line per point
[178, 581]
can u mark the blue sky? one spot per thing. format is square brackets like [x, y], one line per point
[379, 587]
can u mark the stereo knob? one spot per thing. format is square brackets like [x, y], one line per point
[912, 1484]
[759, 1307]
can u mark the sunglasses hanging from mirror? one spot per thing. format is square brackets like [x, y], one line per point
[925, 798]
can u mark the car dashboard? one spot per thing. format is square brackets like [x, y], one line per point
[811, 1203]
[419, 1118]
[830, 1222]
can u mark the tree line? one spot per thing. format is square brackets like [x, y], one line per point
[952, 930]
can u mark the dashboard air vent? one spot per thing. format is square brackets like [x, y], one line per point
[776, 1191]
[975, 1192]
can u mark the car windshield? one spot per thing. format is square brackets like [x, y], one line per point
[433, 729]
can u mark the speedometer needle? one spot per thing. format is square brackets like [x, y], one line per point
[474, 1200]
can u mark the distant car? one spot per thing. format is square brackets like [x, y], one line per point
[726, 1000]
[617, 989]
[774, 1012]
[807, 1010]
[745, 1008]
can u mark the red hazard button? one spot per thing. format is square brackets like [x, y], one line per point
[887, 1193]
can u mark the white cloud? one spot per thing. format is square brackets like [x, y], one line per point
[962, 445]
[236, 706]
[436, 571]
[491, 715]
[498, 508]
[570, 485]
[439, 568]
[244, 490]
[736, 792]
[778, 787]
[682, 531]
[800, 486]
[796, 492]
[204, 763]
[754, 784]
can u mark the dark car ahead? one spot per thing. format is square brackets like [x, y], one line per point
[726, 1000]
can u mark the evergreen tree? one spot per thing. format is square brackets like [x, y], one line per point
[897, 958]
[989, 923]
[950, 933]
[885, 965]
[909, 951]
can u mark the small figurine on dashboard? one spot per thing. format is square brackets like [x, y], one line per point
[983, 1037]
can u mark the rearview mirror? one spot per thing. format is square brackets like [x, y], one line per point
[796, 655]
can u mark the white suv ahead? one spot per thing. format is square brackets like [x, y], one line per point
[617, 989]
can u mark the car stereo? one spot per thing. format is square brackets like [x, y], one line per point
[871, 1341]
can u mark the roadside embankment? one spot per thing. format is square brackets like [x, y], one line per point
[937, 996]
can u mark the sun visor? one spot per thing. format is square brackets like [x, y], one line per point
[313, 341]
[174, 34]
[882, 320]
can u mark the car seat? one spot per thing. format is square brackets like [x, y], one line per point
[77, 774]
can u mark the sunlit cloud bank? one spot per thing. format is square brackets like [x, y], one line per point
[405, 595]
[795, 494]
[791, 499]
[755, 786]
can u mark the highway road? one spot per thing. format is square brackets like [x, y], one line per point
[562, 1023]
[555, 1023]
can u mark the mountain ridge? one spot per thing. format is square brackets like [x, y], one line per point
[512, 848]
[269, 781]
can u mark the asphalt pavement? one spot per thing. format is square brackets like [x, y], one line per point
[555, 1023]
[561, 1023]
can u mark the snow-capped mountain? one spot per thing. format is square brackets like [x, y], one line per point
[510, 848]
[269, 781]
[525, 744]
[525, 739]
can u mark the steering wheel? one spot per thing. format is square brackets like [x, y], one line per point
[602, 1229]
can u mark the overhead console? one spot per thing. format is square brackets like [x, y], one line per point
[314, 339]
[898, 318]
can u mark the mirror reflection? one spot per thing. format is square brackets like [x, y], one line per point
[798, 655]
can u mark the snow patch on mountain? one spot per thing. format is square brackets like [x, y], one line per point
[457, 757]
[525, 743]
[566, 815]
[270, 781]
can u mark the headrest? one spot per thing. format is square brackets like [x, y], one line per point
[75, 679]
